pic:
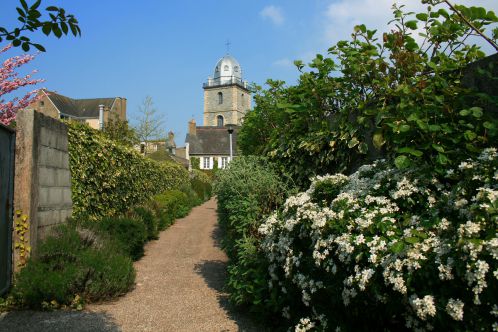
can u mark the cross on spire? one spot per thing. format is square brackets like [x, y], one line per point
[227, 44]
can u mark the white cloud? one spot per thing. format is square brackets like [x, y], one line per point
[273, 13]
[341, 16]
[284, 62]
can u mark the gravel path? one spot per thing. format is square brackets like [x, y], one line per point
[179, 287]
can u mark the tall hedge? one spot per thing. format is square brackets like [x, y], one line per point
[108, 178]
[247, 192]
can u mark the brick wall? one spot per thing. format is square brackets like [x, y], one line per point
[42, 177]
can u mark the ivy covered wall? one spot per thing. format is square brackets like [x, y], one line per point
[108, 178]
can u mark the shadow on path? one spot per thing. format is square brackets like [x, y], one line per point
[214, 273]
[216, 235]
[56, 321]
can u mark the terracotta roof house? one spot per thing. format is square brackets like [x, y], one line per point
[94, 111]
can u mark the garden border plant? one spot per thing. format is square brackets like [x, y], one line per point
[409, 243]
[247, 191]
[420, 252]
[107, 177]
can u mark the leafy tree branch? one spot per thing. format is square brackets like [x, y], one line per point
[53, 20]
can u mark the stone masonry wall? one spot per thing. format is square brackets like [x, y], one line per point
[232, 109]
[42, 177]
[45, 106]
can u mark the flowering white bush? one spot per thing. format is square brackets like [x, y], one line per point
[390, 249]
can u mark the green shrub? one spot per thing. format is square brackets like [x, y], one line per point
[386, 95]
[130, 233]
[386, 249]
[108, 178]
[195, 162]
[160, 155]
[174, 202]
[201, 184]
[192, 197]
[74, 261]
[248, 190]
[149, 220]
[163, 219]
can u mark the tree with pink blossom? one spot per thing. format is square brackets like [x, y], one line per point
[10, 81]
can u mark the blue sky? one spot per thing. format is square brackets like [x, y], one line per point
[167, 49]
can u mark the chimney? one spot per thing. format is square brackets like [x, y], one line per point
[171, 139]
[192, 130]
[101, 117]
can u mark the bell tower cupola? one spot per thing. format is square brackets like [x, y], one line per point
[226, 95]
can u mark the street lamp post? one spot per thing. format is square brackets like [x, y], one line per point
[230, 132]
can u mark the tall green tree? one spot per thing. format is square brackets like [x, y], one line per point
[391, 96]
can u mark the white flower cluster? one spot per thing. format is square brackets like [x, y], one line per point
[424, 307]
[305, 324]
[454, 308]
[390, 227]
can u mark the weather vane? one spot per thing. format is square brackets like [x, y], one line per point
[228, 45]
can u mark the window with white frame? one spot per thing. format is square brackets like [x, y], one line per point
[224, 162]
[206, 163]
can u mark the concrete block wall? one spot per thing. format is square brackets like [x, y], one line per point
[42, 179]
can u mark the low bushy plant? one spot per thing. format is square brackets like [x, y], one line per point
[146, 216]
[129, 233]
[175, 203]
[248, 190]
[387, 250]
[192, 197]
[73, 262]
[201, 184]
[163, 219]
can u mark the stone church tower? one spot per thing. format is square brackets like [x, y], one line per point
[226, 95]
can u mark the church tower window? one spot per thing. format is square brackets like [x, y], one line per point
[220, 98]
[226, 68]
[220, 120]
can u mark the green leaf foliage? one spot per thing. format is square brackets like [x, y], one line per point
[391, 96]
[109, 178]
[247, 191]
[53, 20]
[74, 261]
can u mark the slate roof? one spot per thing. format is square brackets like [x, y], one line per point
[81, 108]
[180, 160]
[212, 141]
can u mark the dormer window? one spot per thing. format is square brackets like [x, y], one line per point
[236, 69]
[217, 69]
[226, 68]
